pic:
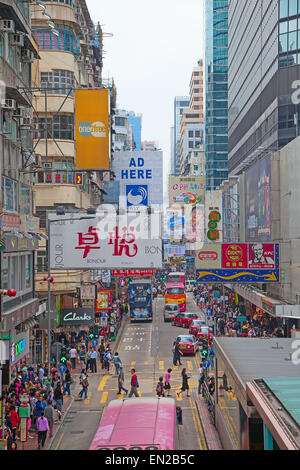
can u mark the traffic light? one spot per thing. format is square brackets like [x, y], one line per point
[204, 352]
[91, 333]
[78, 178]
[63, 359]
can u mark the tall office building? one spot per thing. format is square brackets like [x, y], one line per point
[180, 103]
[135, 121]
[193, 116]
[216, 78]
[263, 61]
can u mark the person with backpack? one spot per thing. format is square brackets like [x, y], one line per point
[68, 381]
[160, 388]
[121, 380]
[107, 359]
[167, 386]
[84, 383]
[134, 384]
[117, 362]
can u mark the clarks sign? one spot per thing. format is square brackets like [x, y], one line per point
[78, 316]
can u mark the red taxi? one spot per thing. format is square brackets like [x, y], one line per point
[204, 332]
[184, 319]
[188, 344]
[195, 326]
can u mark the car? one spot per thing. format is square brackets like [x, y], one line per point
[204, 332]
[190, 284]
[184, 319]
[188, 344]
[195, 326]
[170, 311]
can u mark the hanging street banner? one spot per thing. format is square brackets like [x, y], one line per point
[140, 175]
[92, 127]
[186, 190]
[133, 273]
[238, 262]
[101, 242]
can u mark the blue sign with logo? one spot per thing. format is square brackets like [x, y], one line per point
[95, 342]
[137, 195]
[206, 364]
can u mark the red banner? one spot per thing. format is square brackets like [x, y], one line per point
[103, 300]
[133, 272]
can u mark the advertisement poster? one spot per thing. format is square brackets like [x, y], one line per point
[103, 300]
[234, 256]
[186, 190]
[194, 217]
[258, 201]
[214, 216]
[175, 223]
[92, 128]
[261, 256]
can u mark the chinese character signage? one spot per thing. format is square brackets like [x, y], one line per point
[88, 292]
[92, 128]
[213, 215]
[103, 300]
[97, 243]
[240, 263]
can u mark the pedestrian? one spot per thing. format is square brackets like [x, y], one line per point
[42, 428]
[160, 388]
[201, 378]
[41, 372]
[185, 385]
[211, 386]
[176, 354]
[93, 360]
[117, 362]
[82, 356]
[84, 383]
[67, 384]
[101, 351]
[167, 386]
[58, 395]
[39, 406]
[107, 359]
[49, 414]
[121, 380]
[8, 437]
[134, 384]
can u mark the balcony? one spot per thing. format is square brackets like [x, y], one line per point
[65, 282]
[48, 195]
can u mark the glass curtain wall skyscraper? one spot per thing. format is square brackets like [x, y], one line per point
[216, 78]
[180, 103]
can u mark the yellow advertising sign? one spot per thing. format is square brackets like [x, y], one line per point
[92, 129]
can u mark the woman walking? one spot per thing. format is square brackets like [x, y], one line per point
[84, 382]
[167, 386]
[185, 385]
[160, 388]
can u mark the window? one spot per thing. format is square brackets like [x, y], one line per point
[191, 144]
[42, 265]
[9, 194]
[2, 45]
[292, 41]
[58, 82]
[66, 41]
[191, 133]
[283, 8]
[292, 7]
[60, 127]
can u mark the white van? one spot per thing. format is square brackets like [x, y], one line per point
[190, 285]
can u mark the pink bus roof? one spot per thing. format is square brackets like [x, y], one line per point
[175, 284]
[137, 422]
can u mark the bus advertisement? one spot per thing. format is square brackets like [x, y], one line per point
[140, 300]
[175, 294]
[177, 277]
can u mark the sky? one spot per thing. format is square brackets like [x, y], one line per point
[151, 55]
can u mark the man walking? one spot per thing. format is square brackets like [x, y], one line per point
[49, 414]
[93, 360]
[201, 378]
[121, 380]
[134, 384]
[73, 356]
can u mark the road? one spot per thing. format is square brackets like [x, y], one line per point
[148, 348]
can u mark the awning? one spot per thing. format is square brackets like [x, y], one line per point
[14, 94]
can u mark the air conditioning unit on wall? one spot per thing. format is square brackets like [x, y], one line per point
[7, 26]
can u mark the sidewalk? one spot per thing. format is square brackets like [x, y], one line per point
[211, 434]
[32, 444]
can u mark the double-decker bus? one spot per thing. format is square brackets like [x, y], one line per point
[140, 300]
[175, 294]
[177, 277]
[144, 423]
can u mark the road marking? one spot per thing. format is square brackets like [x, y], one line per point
[175, 367]
[190, 365]
[133, 363]
[139, 394]
[104, 397]
[146, 363]
[200, 426]
[103, 383]
[59, 442]
[86, 401]
[161, 365]
[195, 424]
